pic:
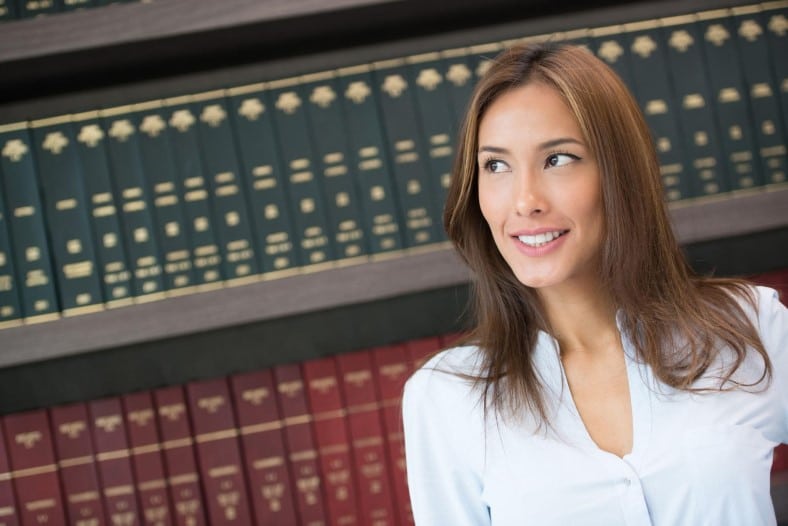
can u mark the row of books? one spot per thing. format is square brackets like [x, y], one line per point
[18, 9]
[316, 443]
[133, 203]
[312, 444]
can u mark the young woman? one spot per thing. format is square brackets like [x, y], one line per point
[604, 383]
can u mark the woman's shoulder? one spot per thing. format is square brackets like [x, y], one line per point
[446, 374]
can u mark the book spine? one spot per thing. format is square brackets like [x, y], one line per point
[133, 198]
[332, 439]
[300, 445]
[66, 214]
[314, 237]
[146, 459]
[775, 17]
[686, 62]
[76, 459]
[223, 175]
[609, 44]
[762, 88]
[183, 477]
[159, 169]
[729, 94]
[26, 224]
[206, 256]
[436, 122]
[331, 153]
[9, 514]
[422, 349]
[459, 82]
[35, 475]
[8, 10]
[391, 368]
[218, 453]
[368, 159]
[72, 5]
[114, 270]
[113, 463]
[10, 305]
[260, 423]
[406, 149]
[264, 178]
[367, 438]
[32, 8]
[653, 91]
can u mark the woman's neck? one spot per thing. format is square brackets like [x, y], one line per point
[581, 318]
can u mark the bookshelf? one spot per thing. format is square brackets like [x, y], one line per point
[104, 57]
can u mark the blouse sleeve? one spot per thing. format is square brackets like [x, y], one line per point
[442, 451]
[773, 325]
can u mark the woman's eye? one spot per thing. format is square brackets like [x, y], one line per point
[496, 166]
[560, 159]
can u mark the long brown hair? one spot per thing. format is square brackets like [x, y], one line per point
[678, 321]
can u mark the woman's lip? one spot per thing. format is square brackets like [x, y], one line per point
[537, 231]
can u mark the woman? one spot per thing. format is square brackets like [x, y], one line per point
[604, 382]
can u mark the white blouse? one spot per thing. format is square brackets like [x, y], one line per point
[697, 459]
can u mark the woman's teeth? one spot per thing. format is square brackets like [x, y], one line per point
[541, 239]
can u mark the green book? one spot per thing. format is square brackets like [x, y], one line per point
[73, 5]
[66, 214]
[10, 305]
[437, 122]
[763, 91]
[697, 116]
[31, 8]
[609, 44]
[729, 94]
[368, 159]
[653, 91]
[223, 174]
[31, 256]
[313, 235]
[133, 199]
[578, 37]
[406, 146]
[460, 81]
[775, 19]
[325, 117]
[206, 256]
[163, 186]
[264, 178]
[8, 10]
[113, 266]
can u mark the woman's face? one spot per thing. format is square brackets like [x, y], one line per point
[539, 188]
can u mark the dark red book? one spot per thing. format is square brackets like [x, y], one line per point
[113, 462]
[780, 462]
[367, 438]
[391, 368]
[300, 444]
[422, 350]
[35, 474]
[146, 458]
[333, 440]
[9, 515]
[262, 443]
[77, 460]
[450, 340]
[218, 453]
[180, 463]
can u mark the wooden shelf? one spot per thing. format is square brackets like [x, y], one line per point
[132, 23]
[362, 281]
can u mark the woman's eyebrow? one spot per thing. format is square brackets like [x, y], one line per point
[492, 149]
[552, 143]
